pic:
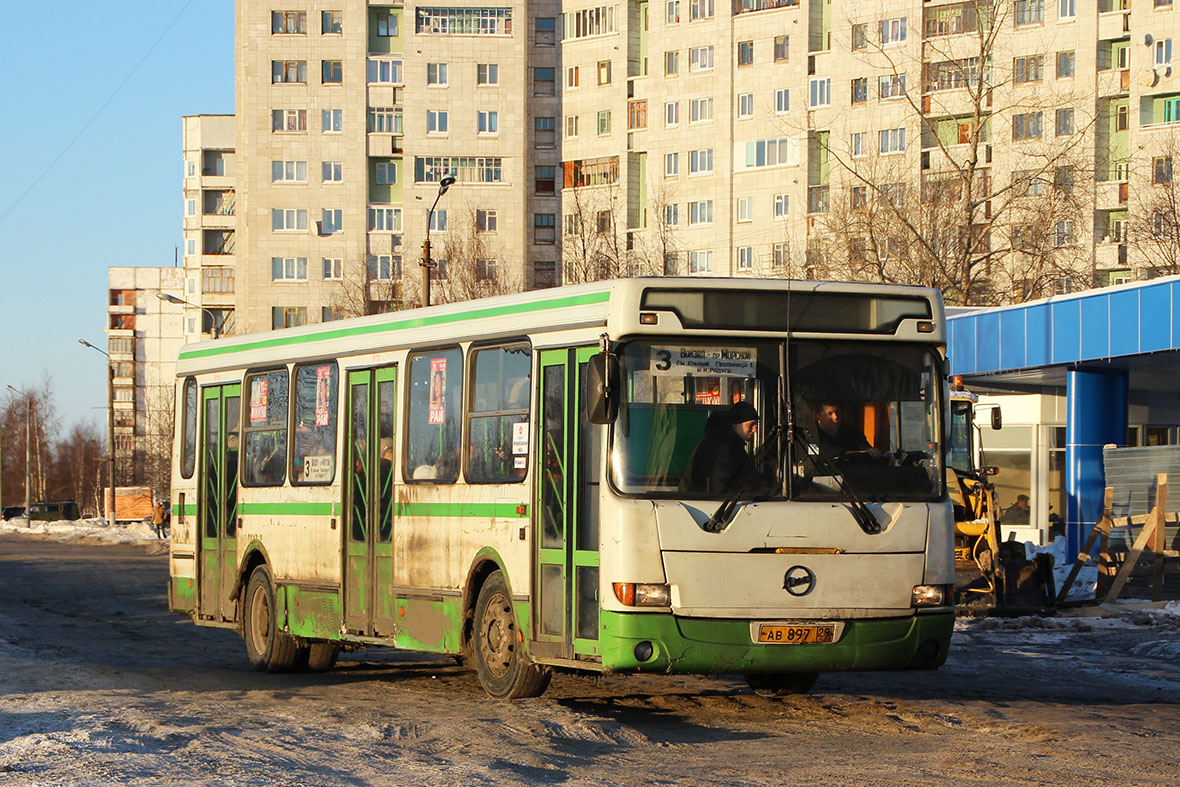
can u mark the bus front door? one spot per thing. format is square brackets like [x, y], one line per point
[218, 508]
[368, 490]
[565, 612]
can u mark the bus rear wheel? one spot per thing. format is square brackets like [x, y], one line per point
[497, 644]
[269, 649]
[781, 684]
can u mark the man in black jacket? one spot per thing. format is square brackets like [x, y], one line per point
[721, 462]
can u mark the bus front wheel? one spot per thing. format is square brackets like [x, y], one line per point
[781, 684]
[498, 646]
[269, 649]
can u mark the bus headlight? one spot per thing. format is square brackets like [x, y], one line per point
[638, 594]
[931, 596]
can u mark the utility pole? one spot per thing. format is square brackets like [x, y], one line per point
[110, 421]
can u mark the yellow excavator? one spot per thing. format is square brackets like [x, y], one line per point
[978, 571]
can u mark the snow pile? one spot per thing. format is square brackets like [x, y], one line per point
[79, 529]
[1084, 587]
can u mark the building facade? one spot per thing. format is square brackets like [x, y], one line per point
[209, 226]
[1001, 150]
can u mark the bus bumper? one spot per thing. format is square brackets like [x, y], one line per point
[716, 646]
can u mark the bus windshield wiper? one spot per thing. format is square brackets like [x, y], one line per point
[860, 512]
[721, 516]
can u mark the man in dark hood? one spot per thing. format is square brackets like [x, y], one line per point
[721, 462]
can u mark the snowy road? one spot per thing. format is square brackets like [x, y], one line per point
[100, 684]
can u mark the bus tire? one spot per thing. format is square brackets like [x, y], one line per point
[269, 649]
[781, 684]
[321, 656]
[497, 646]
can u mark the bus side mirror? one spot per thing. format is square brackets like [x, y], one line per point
[602, 389]
[997, 419]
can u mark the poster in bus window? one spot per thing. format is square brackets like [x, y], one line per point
[708, 390]
[323, 378]
[258, 400]
[438, 391]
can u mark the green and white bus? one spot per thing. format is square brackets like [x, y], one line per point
[507, 480]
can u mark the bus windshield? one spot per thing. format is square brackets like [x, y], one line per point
[864, 419]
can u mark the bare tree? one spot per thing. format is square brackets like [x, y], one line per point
[472, 261]
[1152, 233]
[78, 467]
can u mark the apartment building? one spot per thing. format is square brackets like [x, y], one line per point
[209, 226]
[1026, 141]
[144, 334]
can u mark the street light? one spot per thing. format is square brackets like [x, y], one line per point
[110, 420]
[28, 450]
[182, 302]
[427, 263]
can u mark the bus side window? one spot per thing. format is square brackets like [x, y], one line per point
[188, 456]
[313, 454]
[433, 417]
[498, 415]
[264, 462]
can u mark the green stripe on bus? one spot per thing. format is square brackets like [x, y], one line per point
[294, 509]
[501, 510]
[188, 509]
[398, 325]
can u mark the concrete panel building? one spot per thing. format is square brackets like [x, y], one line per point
[209, 225]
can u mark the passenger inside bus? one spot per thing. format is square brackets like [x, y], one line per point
[721, 463]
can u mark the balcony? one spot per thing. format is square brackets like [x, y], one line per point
[1112, 82]
[1110, 255]
[1113, 24]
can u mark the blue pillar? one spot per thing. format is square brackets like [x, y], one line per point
[1096, 402]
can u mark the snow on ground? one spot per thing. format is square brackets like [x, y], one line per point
[83, 529]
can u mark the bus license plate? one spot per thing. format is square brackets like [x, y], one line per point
[796, 635]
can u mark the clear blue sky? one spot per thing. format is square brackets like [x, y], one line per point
[114, 197]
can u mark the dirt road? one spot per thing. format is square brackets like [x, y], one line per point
[100, 684]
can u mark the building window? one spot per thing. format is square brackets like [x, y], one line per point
[700, 9]
[384, 267]
[330, 221]
[216, 281]
[858, 197]
[700, 212]
[1027, 69]
[892, 31]
[485, 270]
[1063, 234]
[745, 209]
[1066, 62]
[1161, 169]
[436, 74]
[288, 22]
[288, 220]
[544, 274]
[546, 180]
[333, 269]
[486, 220]
[288, 71]
[332, 72]
[487, 122]
[463, 21]
[1030, 12]
[596, 21]
[544, 225]
[1065, 122]
[332, 22]
[385, 173]
[383, 71]
[487, 74]
[768, 153]
[745, 258]
[672, 12]
[782, 206]
[782, 100]
[860, 36]
[672, 113]
[671, 63]
[438, 220]
[782, 48]
[892, 140]
[571, 126]
[860, 90]
[603, 122]
[465, 169]
[745, 106]
[332, 120]
[386, 24]
[287, 316]
[572, 76]
[436, 121]
[700, 161]
[1067, 9]
[780, 255]
[700, 261]
[821, 92]
[331, 171]
[1163, 51]
[700, 110]
[543, 82]
[384, 219]
[385, 120]
[288, 268]
[288, 172]
[672, 263]
[1122, 116]
[637, 114]
[604, 72]
[892, 86]
[745, 53]
[671, 164]
[700, 58]
[544, 132]
[1026, 126]
[545, 31]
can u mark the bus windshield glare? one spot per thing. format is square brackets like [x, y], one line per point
[847, 416]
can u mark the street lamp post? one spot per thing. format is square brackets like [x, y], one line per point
[110, 421]
[28, 451]
[182, 302]
[428, 263]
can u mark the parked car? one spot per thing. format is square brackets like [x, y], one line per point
[11, 512]
[54, 511]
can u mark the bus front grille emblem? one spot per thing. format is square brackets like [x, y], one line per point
[799, 580]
